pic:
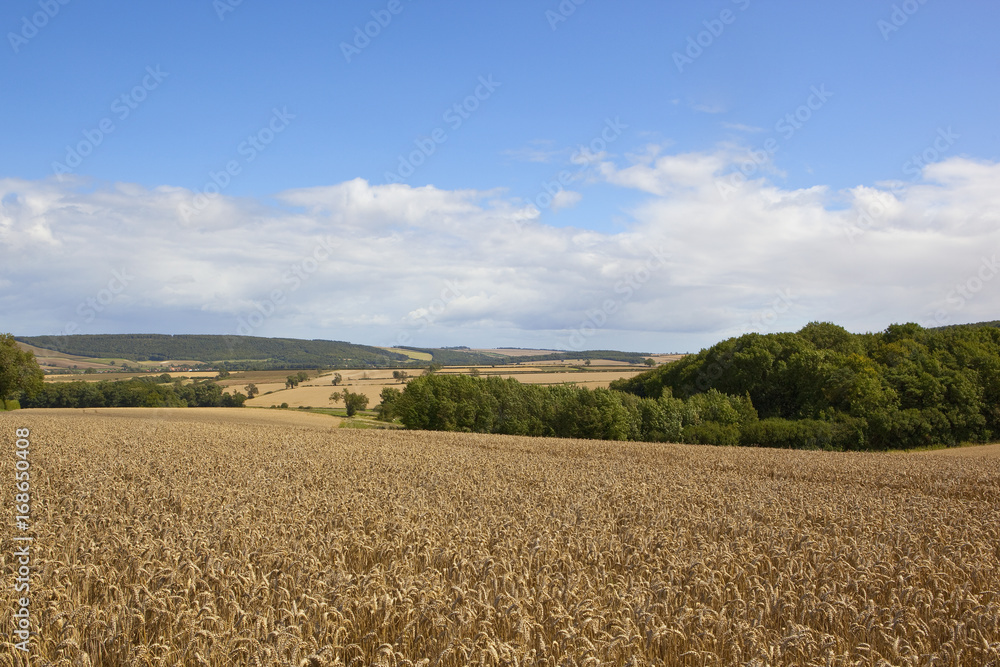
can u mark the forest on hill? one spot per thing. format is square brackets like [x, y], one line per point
[460, 356]
[820, 387]
[237, 352]
[256, 353]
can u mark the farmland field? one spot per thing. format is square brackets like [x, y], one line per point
[209, 537]
[316, 391]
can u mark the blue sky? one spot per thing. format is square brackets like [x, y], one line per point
[203, 150]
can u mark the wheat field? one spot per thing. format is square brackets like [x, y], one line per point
[220, 542]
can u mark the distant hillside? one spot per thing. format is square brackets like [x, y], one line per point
[254, 353]
[610, 355]
[454, 356]
[995, 324]
[238, 352]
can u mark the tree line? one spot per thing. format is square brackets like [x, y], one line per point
[821, 387]
[506, 406]
[134, 393]
[240, 352]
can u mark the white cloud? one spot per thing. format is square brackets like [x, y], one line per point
[740, 127]
[539, 150]
[668, 173]
[375, 264]
[565, 199]
[709, 107]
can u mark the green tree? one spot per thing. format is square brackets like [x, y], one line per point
[828, 336]
[291, 382]
[387, 408]
[400, 375]
[337, 379]
[19, 372]
[252, 390]
[354, 402]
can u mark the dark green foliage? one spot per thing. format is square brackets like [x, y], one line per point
[825, 387]
[610, 355]
[460, 357]
[239, 352]
[820, 388]
[386, 410]
[802, 434]
[712, 433]
[354, 402]
[134, 393]
[19, 372]
[464, 357]
[496, 405]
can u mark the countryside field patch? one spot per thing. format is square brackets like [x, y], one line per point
[206, 543]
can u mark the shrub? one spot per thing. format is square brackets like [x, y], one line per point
[845, 433]
[712, 433]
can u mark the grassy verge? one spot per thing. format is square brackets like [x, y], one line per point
[363, 419]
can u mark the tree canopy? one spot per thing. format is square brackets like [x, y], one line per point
[904, 387]
[820, 387]
[20, 374]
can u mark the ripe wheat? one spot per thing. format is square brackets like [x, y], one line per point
[162, 543]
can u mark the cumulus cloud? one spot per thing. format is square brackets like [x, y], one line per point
[740, 127]
[391, 264]
[539, 150]
[565, 199]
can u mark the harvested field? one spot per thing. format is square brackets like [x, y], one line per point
[201, 542]
[596, 378]
[316, 391]
[979, 451]
[218, 416]
[104, 376]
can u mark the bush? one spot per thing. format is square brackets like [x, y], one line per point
[354, 402]
[386, 410]
[10, 405]
[844, 434]
[712, 433]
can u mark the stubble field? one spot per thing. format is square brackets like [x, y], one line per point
[197, 541]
